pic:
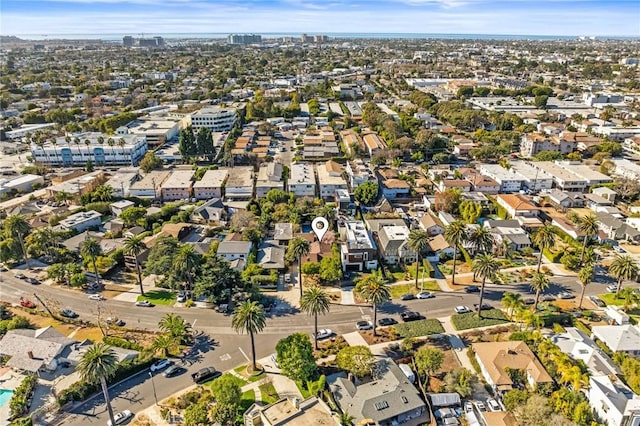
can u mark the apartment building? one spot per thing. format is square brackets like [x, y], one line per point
[214, 118]
[149, 185]
[77, 149]
[121, 182]
[156, 131]
[177, 186]
[394, 246]
[330, 180]
[20, 184]
[509, 181]
[358, 173]
[302, 181]
[534, 179]
[269, 177]
[533, 143]
[562, 178]
[239, 184]
[626, 168]
[358, 252]
[78, 185]
[211, 185]
[81, 221]
[351, 140]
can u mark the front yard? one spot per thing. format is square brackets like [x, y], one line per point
[472, 320]
[159, 297]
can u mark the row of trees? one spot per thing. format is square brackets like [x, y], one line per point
[199, 145]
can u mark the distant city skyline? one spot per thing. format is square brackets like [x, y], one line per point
[509, 17]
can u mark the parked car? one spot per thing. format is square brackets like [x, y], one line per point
[20, 276]
[115, 321]
[68, 313]
[364, 325]
[408, 296]
[612, 288]
[26, 303]
[160, 365]
[547, 298]
[472, 289]
[32, 281]
[462, 309]
[287, 278]
[566, 295]
[324, 333]
[529, 301]
[97, 297]
[597, 301]
[386, 321]
[173, 370]
[425, 295]
[204, 374]
[181, 298]
[120, 418]
[480, 406]
[145, 304]
[493, 405]
[468, 407]
[619, 249]
[410, 316]
[484, 307]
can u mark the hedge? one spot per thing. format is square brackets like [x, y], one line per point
[553, 257]
[122, 343]
[21, 398]
[549, 318]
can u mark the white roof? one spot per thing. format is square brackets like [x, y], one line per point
[619, 338]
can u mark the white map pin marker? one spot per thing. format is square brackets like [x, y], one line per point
[320, 226]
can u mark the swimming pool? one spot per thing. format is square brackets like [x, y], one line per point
[5, 396]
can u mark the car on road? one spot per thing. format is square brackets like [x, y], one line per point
[547, 298]
[612, 288]
[3, 268]
[204, 374]
[619, 249]
[97, 297]
[26, 303]
[160, 365]
[386, 321]
[472, 289]
[597, 301]
[425, 295]
[410, 316]
[173, 370]
[20, 276]
[461, 309]
[32, 281]
[566, 295]
[68, 313]
[145, 304]
[408, 296]
[484, 307]
[115, 321]
[529, 301]
[324, 333]
[493, 405]
[364, 325]
[120, 418]
[480, 406]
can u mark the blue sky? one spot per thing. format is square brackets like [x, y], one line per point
[524, 17]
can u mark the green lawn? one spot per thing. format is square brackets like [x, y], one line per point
[398, 290]
[419, 328]
[242, 370]
[268, 392]
[248, 398]
[233, 378]
[159, 297]
[611, 299]
[471, 319]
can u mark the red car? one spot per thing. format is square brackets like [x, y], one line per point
[27, 303]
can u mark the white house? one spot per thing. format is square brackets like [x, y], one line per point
[302, 181]
[81, 221]
[619, 338]
[614, 403]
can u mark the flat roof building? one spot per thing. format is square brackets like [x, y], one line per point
[240, 183]
[269, 177]
[214, 118]
[330, 179]
[211, 184]
[177, 186]
[149, 185]
[155, 130]
[302, 181]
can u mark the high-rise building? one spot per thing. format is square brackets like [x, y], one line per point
[127, 41]
[244, 38]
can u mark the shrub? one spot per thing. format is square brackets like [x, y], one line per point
[20, 400]
[122, 343]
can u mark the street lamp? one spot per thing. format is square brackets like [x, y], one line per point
[155, 396]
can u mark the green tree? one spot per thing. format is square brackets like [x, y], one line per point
[298, 248]
[225, 389]
[512, 302]
[186, 264]
[544, 239]
[455, 235]
[539, 283]
[418, 241]
[294, 355]
[90, 249]
[358, 360]
[623, 267]
[589, 226]
[132, 215]
[470, 211]
[515, 398]
[373, 289]
[164, 344]
[133, 246]
[176, 327]
[197, 414]
[17, 227]
[204, 142]
[428, 360]
[187, 144]
[150, 161]
[249, 317]
[99, 364]
[461, 381]
[480, 240]
[346, 419]
[366, 194]
[314, 302]
[585, 276]
[103, 193]
[485, 266]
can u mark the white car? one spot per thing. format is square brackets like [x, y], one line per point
[612, 288]
[425, 295]
[480, 406]
[324, 333]
[493, 405]
[144, 304]
[468, 407]
[461, 309]
[160, 365]
[120, 418]
[364, 325]
[97, 297]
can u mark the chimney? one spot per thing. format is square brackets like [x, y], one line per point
[30, 353]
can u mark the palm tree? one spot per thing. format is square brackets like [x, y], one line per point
[481, 240]
[164, 343]
[585, 276]
[346, 419]
[539, 283]
[512, 302]
[187, 262]
[91, 249]
[76, 140]
[176, 327]
[111, 143]
[18, 227]
[249, 317]
[589, 226]
[455, 234]
[314, 301]
[623, 267]
[298, 248]
[41, 241]
[104, 193]
[630, 298]
[121, 144]
[544, 239]
[99, 364]
[486, 266]
[418, 241]
[133, 246]
[374, 290]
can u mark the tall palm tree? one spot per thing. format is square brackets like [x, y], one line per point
[623, 267]
[539, 283]
[187, 263]
[121, 144]
[176, 327]
[480, 240]
[91, 249]
[589, 226]
[76, 140]
[104, 193]
[18, 227]
[314, 301]
[374, 290]
[133, 246]
[512, 302]
[41, 241]
[486, 266]
[418, 241]
[630, 298]
[544, 239]
[455, 234]
[298, 248]
[111, 143]
[249, 318]
[99, 364]
[585, 276]
[164, 343]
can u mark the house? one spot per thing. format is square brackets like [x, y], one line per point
[579, 346]
[431, 224]
[235, 251]
[614, 403]
[210, 185]
[119, 206]
[358, 252]
[271, 255]
[358, 173]
[388, 400]
[485, 184]
[177, 186]
[619, 338]
[615, 229]
[499, 418]
[81, 221]
[439, 247]
[517, 205]
[533, 143]
[330, 180]
[373, 143]
[494, 358]
[509, 233]
[290, 412]
[395, 188]
[606, 193]
[212, 212]
[393, 244]
[566, 200]
[459, 184]
[283, 233]
[269, 177]
[567, 227]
